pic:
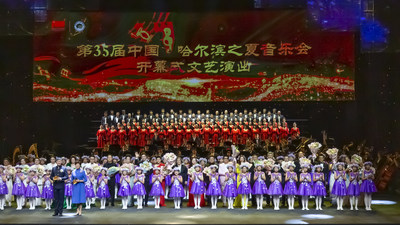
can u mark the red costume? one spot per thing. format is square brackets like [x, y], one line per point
[284, 132]
[121, 136]
[142, 137]
[226, 134]
[113, 137]
[245, 135]
[235, 135]
[101, 138]
[254, 132]
[188, 133]
[275, 135]
[206, 134]
[179, 137]
[215, 136]
[295, 132]
[171, 135]
[133, 135]
[264, 133]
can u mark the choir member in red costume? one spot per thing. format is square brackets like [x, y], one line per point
[133, 136]
[113, 136]
[121, 138]
[294, 132]
[284, 130]
[274, 134]
[197, 131]
[151, 133]
[235, 135]
[188, 132]
[101, 137]
[215, 136]
[245, 134]
[171, 135]
[162, 133]
[142, 135]
[226, 134]
[207, 134]
[265, 132]
[255, 131]
[179, 136]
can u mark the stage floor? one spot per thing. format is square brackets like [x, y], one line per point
[168, 215]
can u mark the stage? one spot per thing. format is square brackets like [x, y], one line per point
[381, 214]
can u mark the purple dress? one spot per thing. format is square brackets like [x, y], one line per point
[230, 190]
[368, 185]
[156, 189]
[3, 186]
[290, 185]
[32, 190]
[177, 190]
[259, 187]
[102, 190]
[244, 186]
[47, 192]
[125, 189]
[354, 186]
[214, 188]
[89, 188]
[197, 185]
[305, 188]
[168, 180]
[138, 188]
[319, 186]
[276, 187]
[18, 187]
[339, 187]
[68, 187]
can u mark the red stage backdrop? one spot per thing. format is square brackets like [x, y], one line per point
[190, 57]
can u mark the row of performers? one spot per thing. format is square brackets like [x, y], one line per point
[238, 180]
[179, 134]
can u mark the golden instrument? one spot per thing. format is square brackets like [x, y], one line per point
[75, 181]
[55, 177]
[33, 148]
[16, 151]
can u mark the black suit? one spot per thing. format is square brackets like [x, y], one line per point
[111, 183]
[147, 185]
[184, 174]
[58, 187]
[104, 120]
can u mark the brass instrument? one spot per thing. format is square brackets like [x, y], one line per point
[33, 148]
[17, 150]
[303, 143]
[55, 178]
[75, 181]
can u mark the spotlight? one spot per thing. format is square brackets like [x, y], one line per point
[383, 202]
[295, 222]
[317, 216]
[79, 26]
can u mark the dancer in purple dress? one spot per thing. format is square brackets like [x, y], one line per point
[177, 192]
[275, 189]
[19, 188]
[305, 189]
[339, 187]
[230, 190]
[89, 186]
[368, 186]
[32, 190]
[214, 188]
[259, 187]
[138, 186]
[290, 185]
[68, 189]
[47, 192]
[102, 191]
[3, 187]
[244, 188]
[157, 190]
[353, 191]
[319, 190]
[125, 189]
[197, 188]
